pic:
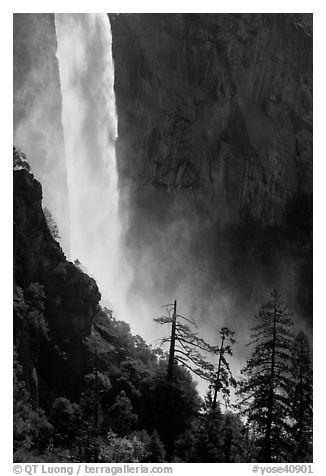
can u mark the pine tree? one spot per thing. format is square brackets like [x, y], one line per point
[263, 387]
[222, 379]
[300, 392]
[186, 346]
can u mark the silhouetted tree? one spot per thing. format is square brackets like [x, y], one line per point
[300, 393]
[263, 387]
[186, 346]
[222, 378]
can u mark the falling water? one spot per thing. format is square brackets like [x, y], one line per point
[90, 130]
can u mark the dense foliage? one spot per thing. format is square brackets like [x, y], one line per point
[276, 381]
[52, 225]
[128, 407]
[129, 412]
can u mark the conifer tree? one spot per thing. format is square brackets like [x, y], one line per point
[222, 378]
[186, 346]
[263, 390]
[300, 393]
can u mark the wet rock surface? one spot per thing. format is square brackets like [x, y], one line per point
[216, 107]
[215, 144]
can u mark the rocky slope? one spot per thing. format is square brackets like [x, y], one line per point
[71, 297]
[215, 150]
[214, 156]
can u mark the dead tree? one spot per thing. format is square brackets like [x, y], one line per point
[172, 344]
[186, 346]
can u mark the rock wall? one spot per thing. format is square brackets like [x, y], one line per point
[71, 296]
[217, 107]
[215, 152]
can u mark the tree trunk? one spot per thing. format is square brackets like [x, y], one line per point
[172, 344]
[301, 409]
[15, 237]
[217, 381]
[96, 422]
[268, 455]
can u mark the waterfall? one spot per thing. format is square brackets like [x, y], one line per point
[90, 129]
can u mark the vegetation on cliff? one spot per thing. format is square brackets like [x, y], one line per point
[86, 389]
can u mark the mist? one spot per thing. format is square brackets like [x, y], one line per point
[220, 277]
[37, 112]
[144, 248]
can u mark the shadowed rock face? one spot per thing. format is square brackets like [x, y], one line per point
[215, 145]
[216, 106]
[71, 296]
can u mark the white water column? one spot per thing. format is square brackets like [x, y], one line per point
[90, 130]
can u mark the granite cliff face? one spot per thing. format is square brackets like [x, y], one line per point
[71, 296]
[215, 148]
[215, 167]
[217, 108]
